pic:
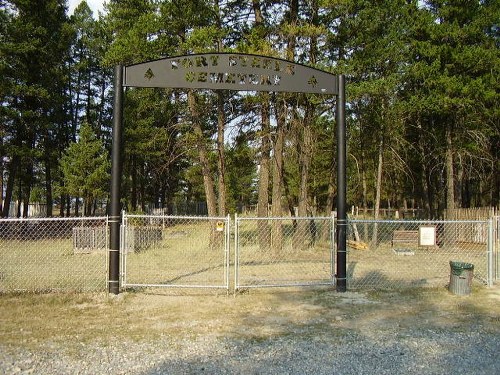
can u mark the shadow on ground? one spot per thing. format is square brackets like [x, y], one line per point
[412, 331]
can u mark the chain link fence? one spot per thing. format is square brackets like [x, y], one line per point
[70, 254]
[60, 254]
[496, 246]
[398, 254]
[283, 252]
[175, 251]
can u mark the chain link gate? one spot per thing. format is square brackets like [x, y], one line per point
[284, 252]
[175, 251]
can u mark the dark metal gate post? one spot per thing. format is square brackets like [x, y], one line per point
[341, 190]
[116, 173]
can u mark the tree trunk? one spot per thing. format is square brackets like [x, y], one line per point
[133, 175]
[263, 190]
[279, 143]
[277, 190]
[450, 186]
[68, 205]
[306, 148]
[221, 126]
[48, 173]
[62, 205]
[378, 189]
[87, 210]
[330, 199]
[142, 188]
[76, 109]
[221, 162]
[208, 181]
[460, 186]
[301, 237]
[28, 185]
[77, 206]
[48, 188]
[20, 195]
[495, 180]
[364, 184]
[305, 233]
[257, 12]
[13, 166]
[364, 191]
[102, 109]
[425, 178]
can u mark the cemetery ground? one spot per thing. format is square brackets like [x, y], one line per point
[271, 331]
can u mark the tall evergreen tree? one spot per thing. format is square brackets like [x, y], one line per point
[35, 45]
[453, 95]
[85, 167]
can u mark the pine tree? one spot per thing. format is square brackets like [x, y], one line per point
[35, 45]
[452, 96]
[85, 167]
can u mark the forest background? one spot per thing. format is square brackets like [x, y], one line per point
[423, 97]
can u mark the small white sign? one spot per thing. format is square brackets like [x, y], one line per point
[427, 235]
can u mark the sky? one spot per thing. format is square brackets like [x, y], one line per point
[95, 5]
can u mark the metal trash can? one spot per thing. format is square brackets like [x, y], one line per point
[461, 278]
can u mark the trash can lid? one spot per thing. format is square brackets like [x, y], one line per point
[461, 265]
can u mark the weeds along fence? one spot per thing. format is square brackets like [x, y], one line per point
[59, 254]
[175, 251]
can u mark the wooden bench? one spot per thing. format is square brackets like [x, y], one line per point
[405, 236]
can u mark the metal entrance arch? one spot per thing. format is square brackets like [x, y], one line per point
[225, 71]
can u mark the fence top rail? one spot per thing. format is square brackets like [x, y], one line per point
[33, 219]
[175, 217]
[425, 222]
[286, 218]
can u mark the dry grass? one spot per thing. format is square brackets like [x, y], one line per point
[48, 265]
[69, 321]
[188, 254]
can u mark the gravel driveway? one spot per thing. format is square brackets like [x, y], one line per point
[285, 332]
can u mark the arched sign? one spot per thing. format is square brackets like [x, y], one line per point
[229, 71]
[225, 71]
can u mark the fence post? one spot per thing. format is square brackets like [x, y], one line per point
[341, 190]
[333, 239]
[123, 249]
[496, 245]
[490, 253]
[236, 251]
[116, 172]
[228, 249]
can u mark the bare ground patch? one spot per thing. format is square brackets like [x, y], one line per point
[75, 325]
[31, 320]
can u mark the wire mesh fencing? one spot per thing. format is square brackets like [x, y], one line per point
[175, 251]
[53, 254]
[283, 252]
[398, 254]
[70, 254]
[496, 246]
